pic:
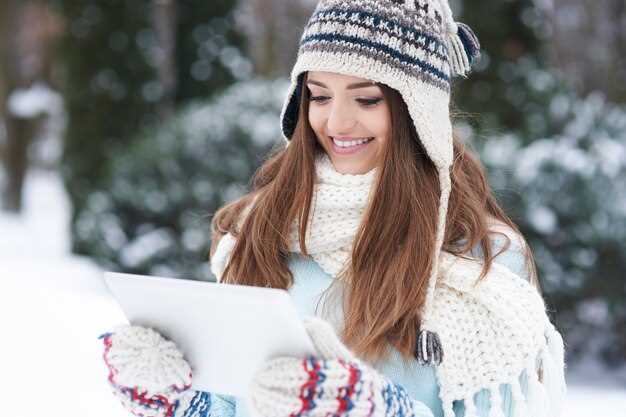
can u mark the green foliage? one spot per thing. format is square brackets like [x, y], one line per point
[509, 32]
[152, 213]
[556, 163]
[562, 177]
[110, 83]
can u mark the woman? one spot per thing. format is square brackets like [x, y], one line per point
[429, 305]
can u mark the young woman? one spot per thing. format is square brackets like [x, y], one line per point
[418, 291]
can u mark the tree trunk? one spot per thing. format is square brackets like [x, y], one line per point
[619, 40]
[589, 44]
[26, 30]
[17, 133]
[20, 132]
[164, 23]
[273, 28]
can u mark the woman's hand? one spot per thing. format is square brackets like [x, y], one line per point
[332, 383]
[146, 371]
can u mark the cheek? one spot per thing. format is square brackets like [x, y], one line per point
[380, 123]
[316, 120]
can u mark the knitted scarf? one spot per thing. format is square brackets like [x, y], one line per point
[337, 207]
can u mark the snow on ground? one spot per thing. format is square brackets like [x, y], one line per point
[53, 306]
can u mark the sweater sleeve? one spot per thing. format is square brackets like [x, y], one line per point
[513, 257]
[190, 404]
[483, 402]
[420, 381]
[206, 404]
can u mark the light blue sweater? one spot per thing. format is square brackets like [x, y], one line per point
[418, 380]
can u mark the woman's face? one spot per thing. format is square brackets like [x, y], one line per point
[343, 112]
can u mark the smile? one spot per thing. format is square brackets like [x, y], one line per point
[349, 146]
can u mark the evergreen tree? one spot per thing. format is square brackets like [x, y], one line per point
[566, 190]
[153, 214]
[556, 163]
[514, 33]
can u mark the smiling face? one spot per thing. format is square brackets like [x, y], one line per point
[350, 118]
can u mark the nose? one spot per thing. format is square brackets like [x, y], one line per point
[340, 119]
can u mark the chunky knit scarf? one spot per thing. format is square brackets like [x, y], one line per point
[493, 330]
[338, 204]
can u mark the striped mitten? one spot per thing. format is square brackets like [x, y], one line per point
[147, 373]
[333, 383]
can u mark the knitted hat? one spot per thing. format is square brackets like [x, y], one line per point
[414, 47]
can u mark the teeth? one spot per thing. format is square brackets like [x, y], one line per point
[347, 144]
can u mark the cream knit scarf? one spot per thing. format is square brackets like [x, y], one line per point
[492, 330]
[338, 204]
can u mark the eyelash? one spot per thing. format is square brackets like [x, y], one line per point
[366, 102]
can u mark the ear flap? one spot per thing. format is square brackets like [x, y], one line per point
[291, 108]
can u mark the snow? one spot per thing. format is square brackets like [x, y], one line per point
[34, 101]
[53, 306]
[145, 246]
[542, 218]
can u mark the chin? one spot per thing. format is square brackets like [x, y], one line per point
[348, 167]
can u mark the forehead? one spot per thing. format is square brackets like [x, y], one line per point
[336, 79]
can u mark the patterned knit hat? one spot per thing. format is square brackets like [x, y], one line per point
[414, 47]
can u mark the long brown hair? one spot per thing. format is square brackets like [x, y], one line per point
[393, 247]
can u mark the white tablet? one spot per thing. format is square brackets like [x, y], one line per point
[226, 332]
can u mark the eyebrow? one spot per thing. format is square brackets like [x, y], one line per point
[349, 87]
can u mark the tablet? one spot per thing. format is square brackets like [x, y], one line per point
[226, 332]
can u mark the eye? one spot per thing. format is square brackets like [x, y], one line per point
[369, 102]
[318, 99]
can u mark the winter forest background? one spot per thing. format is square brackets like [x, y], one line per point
[146, 116]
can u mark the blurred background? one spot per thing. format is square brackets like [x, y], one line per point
[124, 126]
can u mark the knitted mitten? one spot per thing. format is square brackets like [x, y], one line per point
[147, 372]
[330, 384]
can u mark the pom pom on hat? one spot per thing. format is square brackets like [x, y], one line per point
[470, 42]
[462, 43]
[464, 49]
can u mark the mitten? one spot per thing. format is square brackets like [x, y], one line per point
[147, 372]
[331, 383]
